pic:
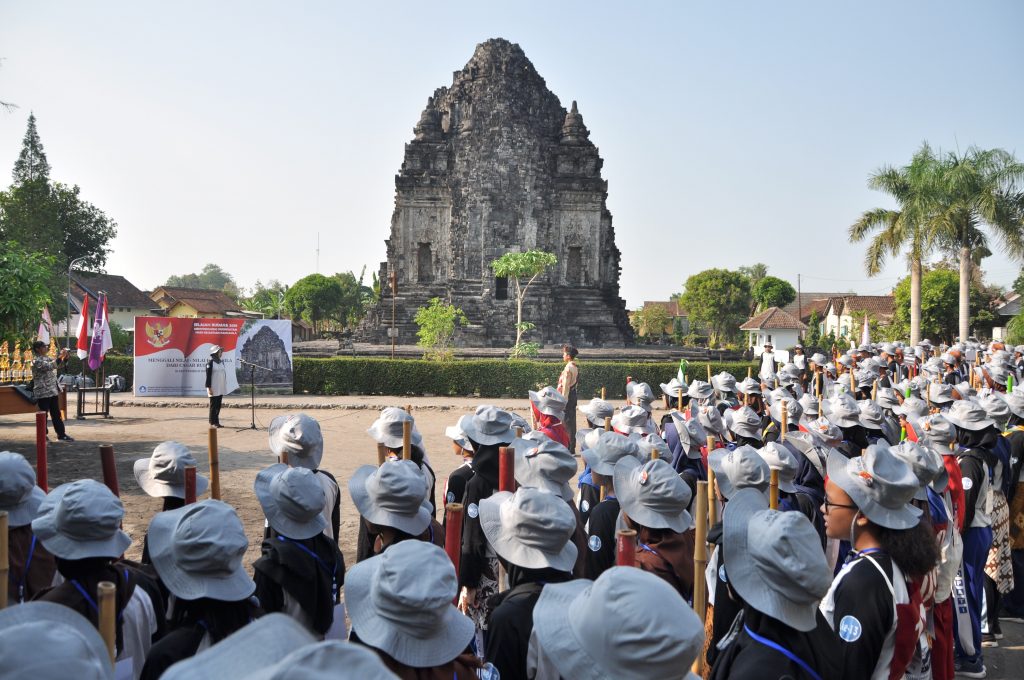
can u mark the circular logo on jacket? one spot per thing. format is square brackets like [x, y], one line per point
[473, 511]
[450, 497]
[585, 506]
[594, 543]
[850, 628]
[968, 483]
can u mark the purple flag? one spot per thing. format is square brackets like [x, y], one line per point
[100, 334]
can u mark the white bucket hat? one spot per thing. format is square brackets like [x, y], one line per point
[19, 495]
[49, 641]
[912, 407]
[748, 386]
[392, 495]
[626, 625]
[935, 431]
[968, 415]
[793, 410]
[549, 401]
[739, 468]
[215, 348]
[775, 560]
[81, 519]
[530, 528]
[197, 551]
[633, 419]
[653, 494]
[545, 465]
[700, 390]
[298, 436]
[610, 447]
[779, 457]
[388, 428]
[488, 426]
[162, 475]
[400, 602]
[745, 422]
[641, 394]
[710, 419]
[455, 433]
[880, 484]
[597, 410]
[673, 388]
[292, 500]
[724, 382]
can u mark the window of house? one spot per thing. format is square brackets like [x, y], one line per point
[501, 288]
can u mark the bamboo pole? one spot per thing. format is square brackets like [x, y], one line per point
[382, 454]
[519, 432]
[453, 535]
[408, 408]
[874, 391]
[773, 491]
[700, 563]
[604, 393]
[712, 498]
[5, 560]
[785, 422]
[853, 385]
[625, 548]
[42, 476]
[106, 591]
[190, 484]
[709, 371]
[407, 440]
[604, 492]
[608, 424]
[679, 400]
[109, 468]
[654, 454]
[750, 372]
[214, 464]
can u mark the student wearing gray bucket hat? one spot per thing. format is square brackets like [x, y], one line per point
[391, 499]
[674, 389]
[79, 523]
[700, 390]
[31, 566]
[46, 641]
[275, 647]
[548, 401]
[641, 394]
[400, 604]
[926, 465]
[654, 501]
[633, 419]
[626, 625]
[872, 419]
[868, 502]
[531, 532]
[300, 571]
[601, 459]
[297, 441]
[745, 426]
[777, 569]
[489, 425]
[737, 469]
[162, 475]
[596, 411]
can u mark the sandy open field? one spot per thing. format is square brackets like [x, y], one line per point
[136, 430]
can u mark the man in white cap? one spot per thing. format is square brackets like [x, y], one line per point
[768, 365]
[31, 565]
[216, 383]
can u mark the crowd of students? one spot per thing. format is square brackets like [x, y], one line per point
[890, 554]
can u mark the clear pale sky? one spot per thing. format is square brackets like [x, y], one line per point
[732, 133]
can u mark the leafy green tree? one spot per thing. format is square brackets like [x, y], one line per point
[520, 267]
[908, 229]
[212, 277]
[813, 336]
[650, 320]
[354, 298]
[314, 298]
[24, 291]
[939, 306]
[717, 300]
[268, 300]
[772, 291]
[754, 272]
[979, 191]
[437, 324]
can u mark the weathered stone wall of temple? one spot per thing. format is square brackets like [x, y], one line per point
[498, 165]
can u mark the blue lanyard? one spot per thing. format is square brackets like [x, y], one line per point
[785, 652]
[88, 599]
[854, 554]
[647, 548]
[28, 565]
[333, 572]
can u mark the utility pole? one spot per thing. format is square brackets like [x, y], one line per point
[799, 304]
[318, 252]
[393, 281]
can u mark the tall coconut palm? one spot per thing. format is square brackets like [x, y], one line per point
[906, 229]
[979, 191]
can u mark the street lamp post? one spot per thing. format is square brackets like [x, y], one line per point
[67, 319]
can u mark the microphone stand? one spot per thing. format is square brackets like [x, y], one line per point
[252, 392]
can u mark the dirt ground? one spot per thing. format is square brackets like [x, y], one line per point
[135, 431]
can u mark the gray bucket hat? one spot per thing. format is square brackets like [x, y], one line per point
[392, 495]
[886, 398]
[632, 419]
[197, 551]
[793, 410]
[549, 401]
[740, 468]
[818, 359]
[710, 419]
[691, 435]
[81, 519]
[700, 390]
[162, 475]
[779, 457]
[805, 445]
[653, 494]
[809, 404]
[997, 372]
[926, 465]
[994, 404]
[871, 415]
[649, 445]
[400, 602]
[880, 484]
[49, 641]
[292, 500]
[626, 625]
[1015, 402]
[276, 647]
[597, 410]
[388, 428]
[940, 393]
[297, 436]
[724, 382]
[823, 431]
[745, 422]
[489, 425]
[641, 394]
[673, 388]
[912, 407]
[965, 390]
[843, 411]
[530, 528]
[935, 431]
[455, 433]
[545, 465]
[19, 495]
[611, 446]
[968, 415]
[775, 560]
[748, 386]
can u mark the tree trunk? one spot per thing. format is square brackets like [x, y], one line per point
[965, 292]
[915, 300]
[519, 319]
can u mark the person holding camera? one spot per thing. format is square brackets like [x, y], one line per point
[44, 385]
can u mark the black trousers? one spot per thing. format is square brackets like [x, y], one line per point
[570, 419]
[215, 410]
[52, 405]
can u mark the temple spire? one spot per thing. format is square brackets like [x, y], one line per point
[573, 129]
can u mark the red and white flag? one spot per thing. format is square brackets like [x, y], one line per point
[82, 346]
[45, 327]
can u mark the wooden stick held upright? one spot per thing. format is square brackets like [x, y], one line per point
[42, 476]
[785, 422]
[407, 440]
[608, 424]
[506, 469]
[105, 592]
[625, 548]
[5, 560]
[453, 535]
[773, 491]
[109, 468]
[214, 464]
[874, 391]
[382, 454]
[519, 432]
[190, 484]
[700, 564]
[604, 392]
[709, 371]
[679, 400]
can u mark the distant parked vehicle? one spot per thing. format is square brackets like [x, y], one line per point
[73, 382]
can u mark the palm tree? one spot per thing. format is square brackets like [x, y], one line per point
[906, 229]
[977, 189]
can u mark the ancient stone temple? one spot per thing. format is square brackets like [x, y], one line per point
[497, 164]
[266, 349]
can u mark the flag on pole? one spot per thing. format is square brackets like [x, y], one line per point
[865, 336]
[45, 327]
[82, 346]
[681, 373]
[100, 334]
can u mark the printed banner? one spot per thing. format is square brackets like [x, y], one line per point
[171, 355]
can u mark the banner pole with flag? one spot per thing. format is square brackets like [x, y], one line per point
[82, 345]
[865, 336]
[100, 342]
[45, 331]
